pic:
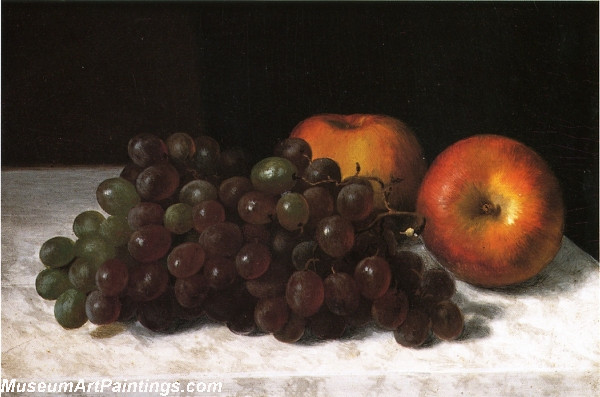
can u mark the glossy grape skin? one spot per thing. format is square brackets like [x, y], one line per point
[112, 277]
[257, 207]
[196, 191]
[373, 276]
[305, 292]
[58, 251]
[447, 321]
[51, 282]
[147, 281]
[145, 213]
[390, 310]
[207, 213]
[186, 259]
[232, 189]
[296, 150]
[323, 171]
[116, 196]
[320, 203]
[342, 296]
[355, 201]
[208, 153]
[252, 260]
[219, 271]
[115, 230]
[292, 211]
[94, 248]
[87, 222]
[415, 330]
[335, 235]
[271, 314]
[191, 291]
[69, 309]
[102, 309]
[273, 175]
[146, 149]
[157, 182]
[180, 147]
[82, 275]
[178, 218]
[222, 239]
[149, 243]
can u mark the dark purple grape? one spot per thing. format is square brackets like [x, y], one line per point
[101, 309]
[145, 213]
[191, 291]
[437, 285]
[283, 243]
[335, 235]
[130, 172]
[296, 150]
[271, 314]
[243, 323]
[447, 321]
[293, 330]
[147, 281]
[389, 311]
[326, 325]
[342, 296]
[407, 268]
[373, 276]
[207, 213]
[149, 243]
[112, 277]
[197, 191]
[362, 315]
[186, 259]
[305, 292]
[303, 253]
[157, 315]
[157, 182]
[272, 283]
[219, 271]
[257, 207]
[146, 149]
[232, 189]
[234, 161]
[322, 170]
[221, 239]
[252, 260]
[208, 152]
[224, 305]
[415, 330]
[256, 233]
[181, 147]
[355, 201]
[320, 203]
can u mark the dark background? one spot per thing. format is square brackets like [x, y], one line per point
[78, 80]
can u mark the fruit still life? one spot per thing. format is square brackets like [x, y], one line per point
[311, 242]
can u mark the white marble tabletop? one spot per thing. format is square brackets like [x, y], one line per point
[540, 339]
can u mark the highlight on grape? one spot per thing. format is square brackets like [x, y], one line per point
[283, 246]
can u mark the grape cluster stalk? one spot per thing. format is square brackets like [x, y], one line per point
[283, 246]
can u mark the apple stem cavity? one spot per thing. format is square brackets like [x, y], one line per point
[487, 208]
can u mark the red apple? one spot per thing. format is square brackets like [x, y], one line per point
[384, 147]
[493, 211]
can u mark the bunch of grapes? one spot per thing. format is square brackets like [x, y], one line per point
[283, 246]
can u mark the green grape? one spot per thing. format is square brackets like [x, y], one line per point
[178, 218]
[94, 248]
[273, 175]
[115, 230]
[57, 252]
[292, 211]
[69, 309]
[51, 282]
[117, 196]
[82, 275]
[87, 222]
